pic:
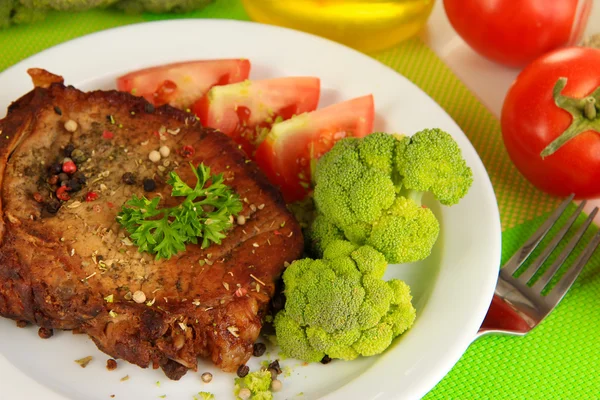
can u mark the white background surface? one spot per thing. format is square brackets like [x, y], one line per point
[459, 268]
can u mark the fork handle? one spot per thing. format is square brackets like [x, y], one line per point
[502, 317]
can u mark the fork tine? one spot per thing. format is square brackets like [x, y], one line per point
[544, 279]
[521, 255]
[535, 265]
[558, 291]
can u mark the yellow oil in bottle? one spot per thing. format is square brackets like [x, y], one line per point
[367, 25]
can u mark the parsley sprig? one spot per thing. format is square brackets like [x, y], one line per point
[205, 214]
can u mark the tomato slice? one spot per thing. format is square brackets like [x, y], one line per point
[181, 84]
[245, 111]
[292, 147]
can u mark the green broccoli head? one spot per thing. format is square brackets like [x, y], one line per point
[368, 191]
[259, 384]
[432, 162]
[204, 396]
[339, 305]
[349, 190]
[406, 233]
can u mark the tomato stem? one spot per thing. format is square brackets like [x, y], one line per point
[583, 110]
[589, 110]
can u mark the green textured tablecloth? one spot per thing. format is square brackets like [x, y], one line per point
[560, 358]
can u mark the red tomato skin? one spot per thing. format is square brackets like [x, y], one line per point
[530, 120]
[150, 82]
[284, 159]
[284, 97]
[515, 32]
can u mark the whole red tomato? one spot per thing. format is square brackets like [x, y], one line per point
[554, 139]
[515, 32]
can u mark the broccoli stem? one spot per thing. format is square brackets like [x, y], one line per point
[414, 195]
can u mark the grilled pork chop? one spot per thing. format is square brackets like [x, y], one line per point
[68, 264]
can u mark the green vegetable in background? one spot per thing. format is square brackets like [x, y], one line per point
[340, 306]
[369, 191]
[204, 396]
[258, 383]
[206, 212]
[27, 11]
[160, 6]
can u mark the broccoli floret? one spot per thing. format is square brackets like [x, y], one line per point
[204, 396]
[339, 306]
[406, 233]
[432, 162]
[369, 191]
[259, 384]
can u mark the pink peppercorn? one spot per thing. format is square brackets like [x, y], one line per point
[69, 167]
[91, 196]
[61, 193]
[186, 151]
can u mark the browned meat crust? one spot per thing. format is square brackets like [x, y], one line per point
[56, 270]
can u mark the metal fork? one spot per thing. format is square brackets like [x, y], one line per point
[517, 308]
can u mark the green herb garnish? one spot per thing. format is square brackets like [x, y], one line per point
[205, 213]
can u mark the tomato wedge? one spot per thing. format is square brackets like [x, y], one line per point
[245, 111]
[292, 147]
[181, 84]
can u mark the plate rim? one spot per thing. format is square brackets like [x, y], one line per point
[453, 354]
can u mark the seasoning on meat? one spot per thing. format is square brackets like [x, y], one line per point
[219, 324]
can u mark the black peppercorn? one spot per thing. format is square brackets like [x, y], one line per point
[128, 178]
[111, 364]
[149, 185]
[278, 302]
[258, 349]
[243, 370]
[57, 110]
[68, 149]
[45, 333]
[326, 360]
[149, 108]
[62, 177]
[79, 177]
[54, 169]
[73, 185]
[53, 180]
[274, 366]
[52, 206]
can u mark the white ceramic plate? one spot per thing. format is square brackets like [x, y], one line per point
[452, 289]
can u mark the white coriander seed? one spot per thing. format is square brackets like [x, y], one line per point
[164, 151]
[276, 385]
[139, 297]
[244, 393]
[154, 156]
[206, 377]
[71, 125]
